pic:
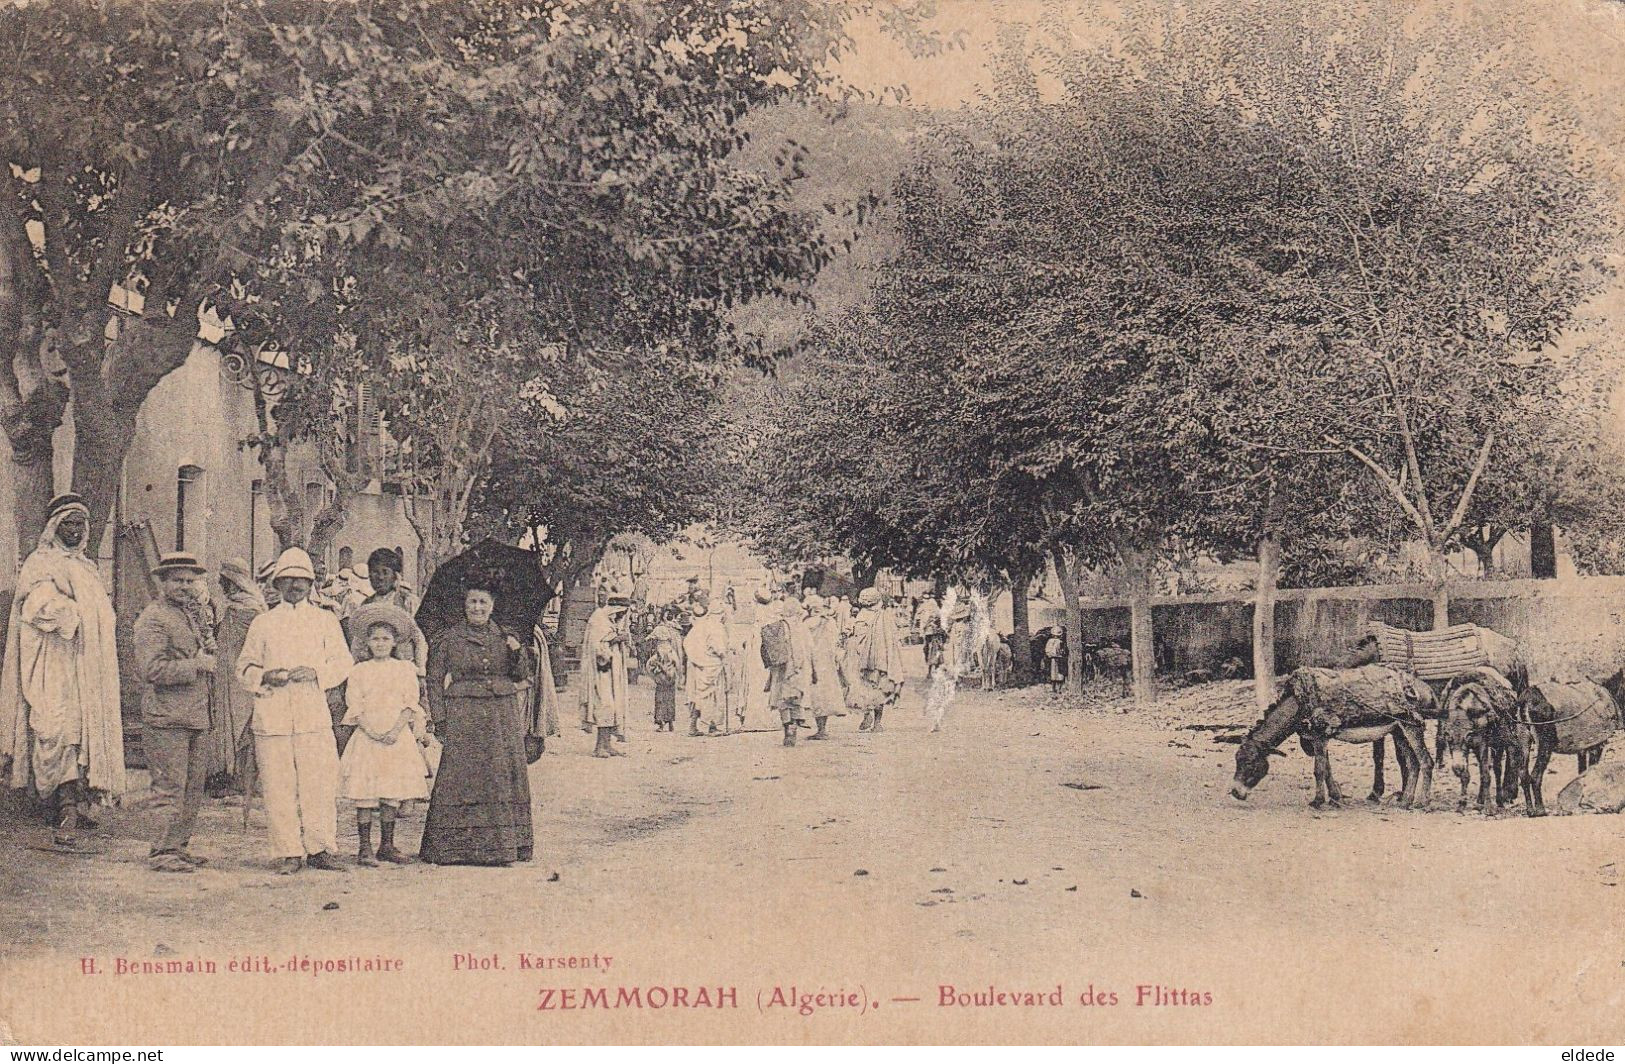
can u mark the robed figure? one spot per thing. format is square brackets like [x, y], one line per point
[872, 661]
[61, 732]
[229, 745]
[603, 670]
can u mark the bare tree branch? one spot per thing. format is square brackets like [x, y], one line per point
[1466, 499]
[1387, 482]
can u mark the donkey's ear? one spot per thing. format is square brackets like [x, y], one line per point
[1276, 753]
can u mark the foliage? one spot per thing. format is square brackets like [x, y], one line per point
[628, 451]
[1260, 269]
[368, 183]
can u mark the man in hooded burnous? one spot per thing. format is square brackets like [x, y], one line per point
[705, 650]
[873, 662]
[787, 653]
[603, 667]
[294, 653]
[60, 728]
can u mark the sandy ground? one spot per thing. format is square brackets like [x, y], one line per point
[1036, 844]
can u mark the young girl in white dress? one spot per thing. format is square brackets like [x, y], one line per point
[383, 763]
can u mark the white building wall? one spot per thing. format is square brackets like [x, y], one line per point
[196, 417]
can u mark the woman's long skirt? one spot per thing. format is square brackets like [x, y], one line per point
[665, 701]
[479, 810]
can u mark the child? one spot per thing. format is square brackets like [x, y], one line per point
[383, 763]
[1054, 650]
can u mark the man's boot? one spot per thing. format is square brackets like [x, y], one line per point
[364, 855]
[821, 733]
[868, 720]
[790, 733]
[879, 727]
[694, 724]
[386, 838]
[66, 816]
[323, 862]
[602, 749]
[82, 806]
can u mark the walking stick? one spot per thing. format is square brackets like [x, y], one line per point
[251, 770]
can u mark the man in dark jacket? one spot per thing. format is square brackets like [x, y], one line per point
[175, 666]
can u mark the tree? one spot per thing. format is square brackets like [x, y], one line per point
[167, 150]
[624, 226]
[297, 165]
[629, 448]
[1436, 223]
[1186, 303]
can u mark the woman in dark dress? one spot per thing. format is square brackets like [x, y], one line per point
[479, 811]
[665, 664]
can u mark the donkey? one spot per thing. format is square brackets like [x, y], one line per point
[1538, 719]
[1302, 710]
[1478, 721]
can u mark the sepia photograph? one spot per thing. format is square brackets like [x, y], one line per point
[812, 522]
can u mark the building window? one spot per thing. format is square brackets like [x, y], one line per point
[189, 502]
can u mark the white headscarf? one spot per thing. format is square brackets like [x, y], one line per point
[47, 537]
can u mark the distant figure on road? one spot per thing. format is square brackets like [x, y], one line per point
[928, 622]
[788, 657]
[665, 665]
[827, 695]
[229, 743]
[873, 662]
[705, 661]
[603, 667]
[1054, 656]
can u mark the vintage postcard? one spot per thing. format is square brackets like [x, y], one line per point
[812, 521]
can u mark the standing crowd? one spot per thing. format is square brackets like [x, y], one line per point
[307, 691]
[262, 688]
[791, 658]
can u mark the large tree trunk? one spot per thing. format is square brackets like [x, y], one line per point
[1269, 575]
[101, 436]
[1021, 661]
[110, 382]
[1142, 635]
[30, 424]
[285, 502]
[1542, 551]
[32, 401]
[575, 558]
[1441, 593]
[1064, 567]
[439, 518]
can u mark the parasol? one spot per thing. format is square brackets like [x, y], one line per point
[515, 575]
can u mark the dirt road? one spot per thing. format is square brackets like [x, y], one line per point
[1034, 845]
